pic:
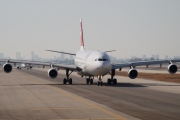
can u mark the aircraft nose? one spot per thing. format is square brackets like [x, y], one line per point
[102, 68]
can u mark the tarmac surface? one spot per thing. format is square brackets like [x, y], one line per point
[31, 94]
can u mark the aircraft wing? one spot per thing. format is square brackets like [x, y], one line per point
[141, 63]
[58, 65]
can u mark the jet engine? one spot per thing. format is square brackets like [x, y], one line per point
[7, 67]
[52, 73]
[172, 68]
[132, 73]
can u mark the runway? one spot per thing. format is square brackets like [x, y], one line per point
[31, 94]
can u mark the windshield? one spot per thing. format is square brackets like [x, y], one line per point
[101, 59]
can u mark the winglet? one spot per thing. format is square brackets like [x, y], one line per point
[81, 36]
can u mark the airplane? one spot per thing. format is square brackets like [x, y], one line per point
[91, 64]
[23, 65]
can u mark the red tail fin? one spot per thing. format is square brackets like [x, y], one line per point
[81, 36]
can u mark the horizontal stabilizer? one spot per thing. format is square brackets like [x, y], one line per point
[110, 51]
[61, 52]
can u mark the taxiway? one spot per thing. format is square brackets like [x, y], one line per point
[31, 94]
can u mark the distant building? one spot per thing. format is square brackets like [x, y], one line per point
[144, 57]
[155, 57]
[32, 55]
[18, 55]
[36, 57]
[176, 57]
[1, 55]
[166, 57]
[133, 57]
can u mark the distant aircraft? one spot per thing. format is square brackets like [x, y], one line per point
[91, 64]
[23, 65]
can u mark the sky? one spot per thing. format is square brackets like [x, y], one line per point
[131, 27]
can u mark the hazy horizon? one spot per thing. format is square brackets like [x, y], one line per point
[133, 28]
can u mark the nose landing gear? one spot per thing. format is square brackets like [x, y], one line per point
[100, 83]
[89, 80]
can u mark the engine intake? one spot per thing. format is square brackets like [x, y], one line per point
[7, 68]
[172, 68]
[133, 73]
[52, 73]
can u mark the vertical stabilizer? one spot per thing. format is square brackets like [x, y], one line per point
[81, 36]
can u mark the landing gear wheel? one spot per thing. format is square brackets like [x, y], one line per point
[109, 81]
[67, 79]
[99, 83]
[91, 81]
[64, 81]
[70, 81]
[114, 81]
[87, 81]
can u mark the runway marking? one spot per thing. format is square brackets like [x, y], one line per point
[91, 119]
[106, 119]
[87, 103]
[61, 108]
[43, 101]
[70, 119]
[83, 101]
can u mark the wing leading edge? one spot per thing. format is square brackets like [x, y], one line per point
[141, 63]
[61, 52]
[58, 65]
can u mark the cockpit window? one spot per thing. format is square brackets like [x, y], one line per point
[101, 59]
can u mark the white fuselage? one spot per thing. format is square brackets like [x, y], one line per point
[93, 63]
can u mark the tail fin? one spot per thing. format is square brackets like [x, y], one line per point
[81, 36]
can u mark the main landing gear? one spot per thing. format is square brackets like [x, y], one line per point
[99, 83]
[112, 79]
[89, 80]
[67, 79]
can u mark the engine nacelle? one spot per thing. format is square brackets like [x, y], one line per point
[172, 68]
[52, 73]
[133, 73]
[7, 68]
